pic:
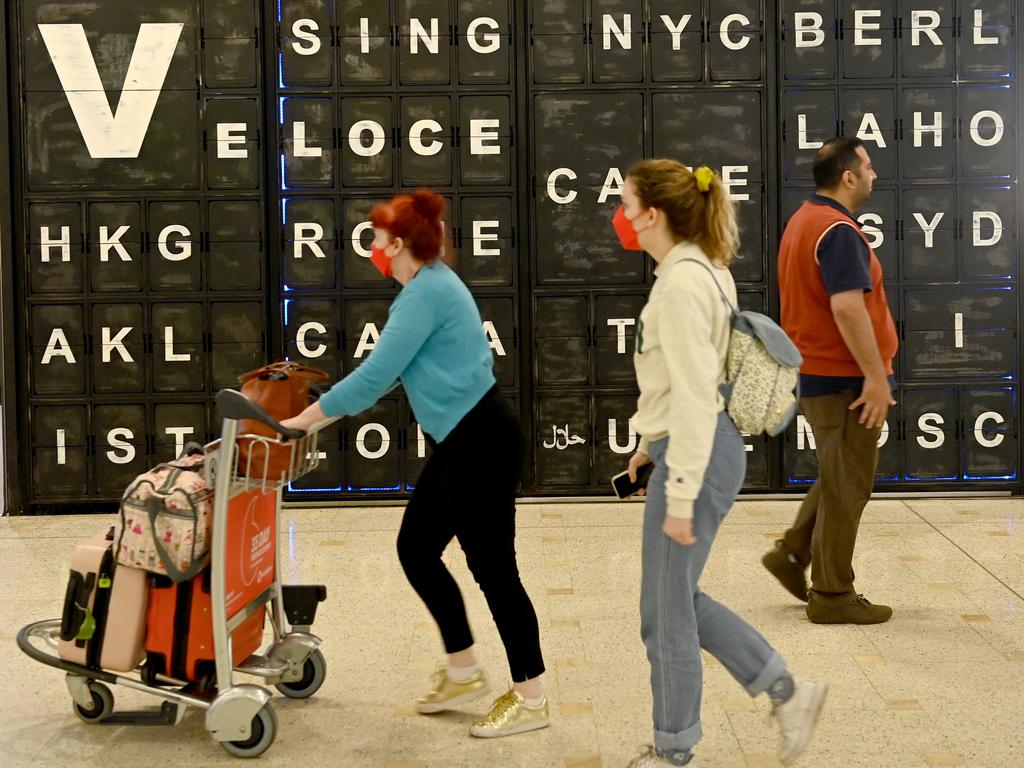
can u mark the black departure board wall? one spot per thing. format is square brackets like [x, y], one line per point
[191, 181]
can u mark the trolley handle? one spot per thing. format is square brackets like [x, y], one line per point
[232, 404]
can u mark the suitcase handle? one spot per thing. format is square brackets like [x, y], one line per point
[77, 593]
[232, 404]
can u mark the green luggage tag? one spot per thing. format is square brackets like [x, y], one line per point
[88, 628]
[104, 582]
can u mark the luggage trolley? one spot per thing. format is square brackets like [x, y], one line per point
[246, 578]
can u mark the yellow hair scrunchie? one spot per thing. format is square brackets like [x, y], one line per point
[704, 177]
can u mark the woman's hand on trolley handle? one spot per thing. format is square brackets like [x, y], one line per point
[304, 420]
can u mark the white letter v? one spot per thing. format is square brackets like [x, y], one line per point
[105, 134]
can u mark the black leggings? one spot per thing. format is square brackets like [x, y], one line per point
[467, 491]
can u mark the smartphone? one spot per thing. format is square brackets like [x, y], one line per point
[624, 487]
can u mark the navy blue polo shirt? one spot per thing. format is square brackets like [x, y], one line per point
[845, 263]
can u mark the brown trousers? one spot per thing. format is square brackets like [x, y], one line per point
[825, 530]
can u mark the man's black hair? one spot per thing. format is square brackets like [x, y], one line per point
[835, 158]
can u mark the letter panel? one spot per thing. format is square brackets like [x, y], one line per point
[365, 61]
[236, 253]
[500, 314]
[309, 260]
[108, 270]
[930, 233]
[238, 336]
[927, 147]
[574, 239]
[111, 50]
[329, 476]
[617, 41]
[57, 339]
[311, 333]
[426, 156]
[485, 140]
[615, 327]
[717, 129]
[749, 266]
[178, 424]
[987, 52]
[416, 451]
[486, 251]
[373, 451]
[988, 248]
[736, 40]
[59, 160]
[307, 52]
[809, 49]
[179, 355]
[418, 22]
[932, 444]
[367, 140]
[616, 439]
[233, 157]
[960, 332]
[111, 372]
[868, 39]
[357, 271]
[989, 418]
[557, 40]
[879, 222]
[676, 41]
[484, 48]
[119, 457]
[229, 44]
[174, 246]
[49, 244]
[562, 340]
[809, 120]
[359, 337]
[931, 51]
[307, 138]
[60, 461]
[988, 134]
[563, 442]
[870, 115]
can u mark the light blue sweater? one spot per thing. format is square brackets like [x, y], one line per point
[434, 343]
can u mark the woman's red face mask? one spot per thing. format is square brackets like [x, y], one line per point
[625, 230]
[380, 260]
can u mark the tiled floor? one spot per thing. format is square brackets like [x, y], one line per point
[942, 684]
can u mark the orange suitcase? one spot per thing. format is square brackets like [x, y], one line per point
[179, 631]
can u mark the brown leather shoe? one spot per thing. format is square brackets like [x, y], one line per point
[784, 566]
[858, 611]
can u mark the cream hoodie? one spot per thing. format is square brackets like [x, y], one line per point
[682, 341]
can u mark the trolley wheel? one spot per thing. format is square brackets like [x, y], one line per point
[264, 729]
[102, 704]
[314, 671]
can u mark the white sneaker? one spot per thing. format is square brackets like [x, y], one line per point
[649, 758]
[798, 716]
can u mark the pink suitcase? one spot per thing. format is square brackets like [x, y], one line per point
[104, 620]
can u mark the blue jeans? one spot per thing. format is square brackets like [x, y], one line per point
[677, 618]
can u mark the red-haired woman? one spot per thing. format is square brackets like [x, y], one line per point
[435, 345]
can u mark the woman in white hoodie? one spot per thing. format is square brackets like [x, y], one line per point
[687, 223]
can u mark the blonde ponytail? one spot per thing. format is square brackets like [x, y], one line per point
[696, 203]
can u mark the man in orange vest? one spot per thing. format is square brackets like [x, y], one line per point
[834, 308]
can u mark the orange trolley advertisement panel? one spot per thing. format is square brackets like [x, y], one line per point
[251, 547]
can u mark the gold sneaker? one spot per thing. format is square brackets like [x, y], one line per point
[510, 715]
[445, 693]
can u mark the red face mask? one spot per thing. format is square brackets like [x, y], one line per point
[380, 260]
[624, 229]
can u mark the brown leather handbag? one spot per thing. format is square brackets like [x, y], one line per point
[282, 389]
